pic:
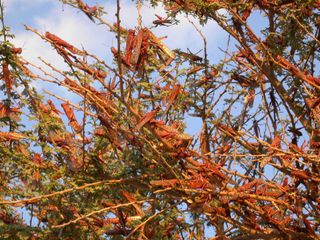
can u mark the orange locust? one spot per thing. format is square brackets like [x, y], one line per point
[190, 56]
[300, 174]
[164, 183]
[54, 112]
[293, 147]
[53, 107]
[159, 44]
[101, 222]
[250, 185]
[242, 80]
[88, 10]
[173, 96]
[136, 48]
[99, 132]
[8, 112]
[194, 70]
[160, 21]
[12, 50]
[38, 161]
[246, 13]
[178, 139]
[276, 143]
[16, 50]
[250, 97]
[7, 77]
[129, 45]
[312, 102]
[61, 43]
[72, 118]
[8, 136]
[94, 72]
[230, 132]
[122, 58]
[132, 199]
[147, 118]
[299, 74]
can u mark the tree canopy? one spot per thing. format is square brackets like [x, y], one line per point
[117, 163]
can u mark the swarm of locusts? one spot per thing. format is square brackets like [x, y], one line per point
[120, 163]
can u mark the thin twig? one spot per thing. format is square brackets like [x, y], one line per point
[101, 211]
[45, 196]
